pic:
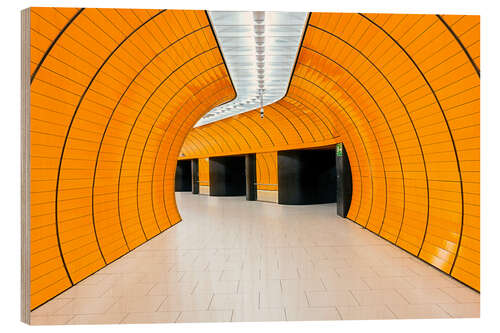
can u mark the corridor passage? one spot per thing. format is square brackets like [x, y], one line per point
[237, 260]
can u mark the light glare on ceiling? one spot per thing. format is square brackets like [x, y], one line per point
[259, 49]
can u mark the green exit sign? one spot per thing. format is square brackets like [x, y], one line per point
[339, 149]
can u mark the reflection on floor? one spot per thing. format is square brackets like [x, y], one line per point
[233, 260]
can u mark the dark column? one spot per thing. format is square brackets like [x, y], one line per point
[183, 176]
[344, 181]
[306, 177]
[195, 176]
[251, 177]
[227, 175]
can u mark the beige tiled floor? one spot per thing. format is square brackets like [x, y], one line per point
[233, 260]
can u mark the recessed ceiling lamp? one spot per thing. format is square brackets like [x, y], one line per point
[260, 50]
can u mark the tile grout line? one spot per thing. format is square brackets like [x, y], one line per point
[352, 294]
[154, 285]
[400, 294]
[161, 303]
[456, 300]
[323, 283]
[211, 300]
[390, 310]
[307, 299]
[178, 317]
[442, 308]
[195, 286]
[123, 319]
[338, 312]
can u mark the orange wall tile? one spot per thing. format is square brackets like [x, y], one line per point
[267, 171]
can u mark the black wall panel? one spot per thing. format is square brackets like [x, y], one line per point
[195, 183]
[251, 177]
[306, 177]
[227, 176]
[344, 181]
[183, 176]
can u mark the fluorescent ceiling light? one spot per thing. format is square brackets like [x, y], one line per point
[260, 50]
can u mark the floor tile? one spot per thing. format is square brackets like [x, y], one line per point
[50, 320]
[330, 298]
[424, 269]
[235, 301]
[227, 265]
[190, 266]
[423, 296]
[122, 290]
[463, 294]
[387, 283]
[331, 263]
[191, 276]
[118, 278]
[87, 306]
[425, 282]
[51, 307]
[80, 291]
[204, 316]
[378, 297]
[349, 272]
[217, 287]
[303, 314]
[150, 317]
[101, 318]
[95, 278]
[291, 273]
[295, 299]
[371, 312]
[462, 310]
[314, 274]
[251, 286]
[393, 271]
[353, 283]
[154, 277]
[240, 275]
[292, 286]
[189, 302]
[137, 304]
[173, 288]
[417, 311]
[242, 315]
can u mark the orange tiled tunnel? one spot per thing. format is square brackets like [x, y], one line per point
[115, 94]
[402, 93]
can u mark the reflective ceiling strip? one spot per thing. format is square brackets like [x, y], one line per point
[260, 50]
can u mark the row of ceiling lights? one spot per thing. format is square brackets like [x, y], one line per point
[259, 48]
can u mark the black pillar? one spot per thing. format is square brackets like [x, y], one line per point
[195, 176]
[183, 176]
[306, 177]
[251, 177]
[344, 181]
[227, 175]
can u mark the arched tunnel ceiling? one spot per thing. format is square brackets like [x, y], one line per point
[402, 93]
[115, 94]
